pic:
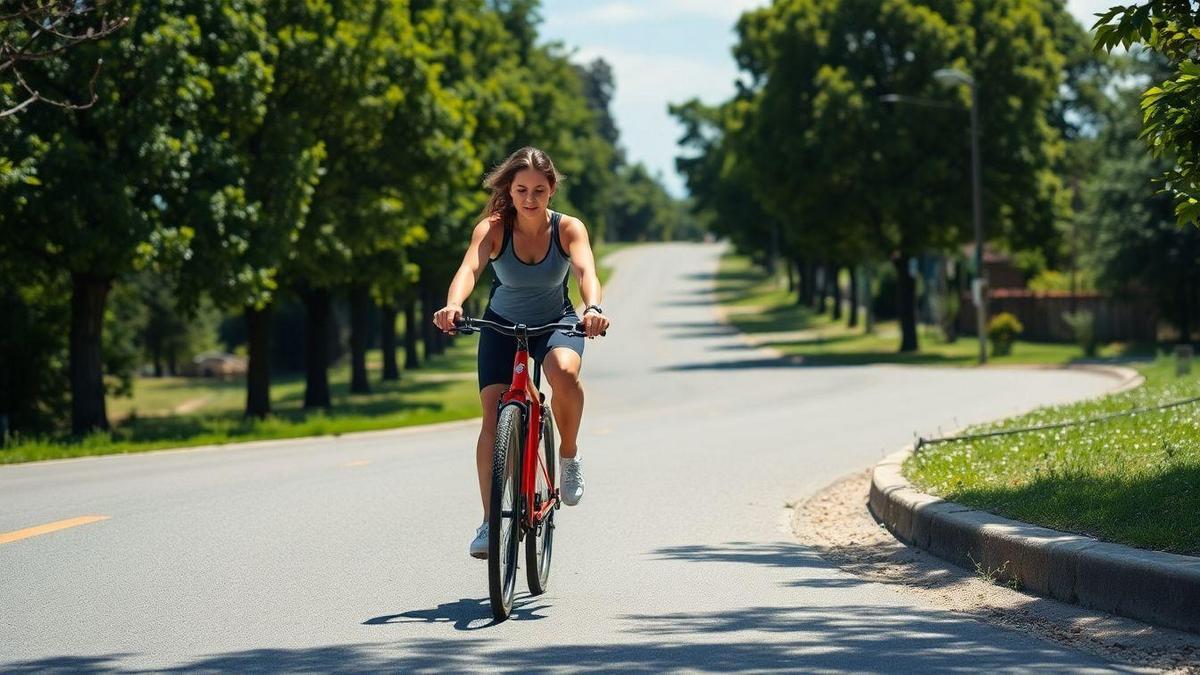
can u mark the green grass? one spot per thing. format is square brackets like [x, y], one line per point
[445, 390]
[757, 306]
[1133, 480]
[175, 412]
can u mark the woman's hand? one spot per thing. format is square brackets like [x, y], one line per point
[445, 317]
[594, 323]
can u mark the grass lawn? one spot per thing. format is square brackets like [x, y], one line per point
[769, 315]
[173, 412]
[444, 390]
[1133, 480]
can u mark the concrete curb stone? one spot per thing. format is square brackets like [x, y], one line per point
[1161, 588]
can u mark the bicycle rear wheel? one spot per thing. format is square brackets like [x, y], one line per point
[539, 543]
[504, 514]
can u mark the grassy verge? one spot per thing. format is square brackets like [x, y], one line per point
[769, 315]
[1133, 480]
[443, 391]
[174, 412]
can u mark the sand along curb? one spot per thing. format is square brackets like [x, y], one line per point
[1161, 588]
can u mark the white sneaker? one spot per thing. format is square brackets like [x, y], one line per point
[479, 545]
[572, 481]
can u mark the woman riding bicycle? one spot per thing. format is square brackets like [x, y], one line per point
[531, 249]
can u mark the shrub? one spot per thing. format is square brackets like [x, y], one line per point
[1083, 326]
[1003, 330]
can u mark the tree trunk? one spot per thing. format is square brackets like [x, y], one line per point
[801, 282]
[808, 283]
[791, 275]
[852, 320]
[428, 330]
[258, 367]
[172, 362]
[439, 343]
[411, 361]
[773, 255]
[837, 294]
[156, 351]
[86, 363]
[1185, 311]
[868, 301]
[388, 338]
[318, 310]
[360, 305]
[906, 304]
[822, 288]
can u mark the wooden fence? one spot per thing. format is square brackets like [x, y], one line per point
[1132, 319]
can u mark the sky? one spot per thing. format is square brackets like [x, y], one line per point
[668, 51]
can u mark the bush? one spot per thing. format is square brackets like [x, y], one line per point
[1083, 326]
[1003, 330]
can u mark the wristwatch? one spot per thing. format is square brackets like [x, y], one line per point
[595, 308]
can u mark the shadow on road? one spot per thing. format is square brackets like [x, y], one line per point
[841, 638]
[740, 364]
[465, 614]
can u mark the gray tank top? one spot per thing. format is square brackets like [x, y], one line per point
[527, 293]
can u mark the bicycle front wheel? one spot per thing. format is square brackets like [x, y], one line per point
[539, 543]
[504, 515]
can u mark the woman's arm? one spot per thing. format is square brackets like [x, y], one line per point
[474, 260]
[579, 248]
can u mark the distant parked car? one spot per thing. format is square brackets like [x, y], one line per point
[215, 364]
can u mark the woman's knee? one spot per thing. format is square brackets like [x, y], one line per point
[489, 399]
[562, 368]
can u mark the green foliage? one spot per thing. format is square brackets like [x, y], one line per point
[1002, 332]
[1049, 280]
[846, 175]
[1132, 237]
[1083, 328]
[643, 211]
[717, 175]
[33, 347]
[1171, 108]
[241, 147]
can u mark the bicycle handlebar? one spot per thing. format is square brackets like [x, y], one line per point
[468, 325]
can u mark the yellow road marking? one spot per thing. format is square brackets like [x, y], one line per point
[358, 462]
[9, 537]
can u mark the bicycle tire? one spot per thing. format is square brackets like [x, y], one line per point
[539, 544]
[504, 530]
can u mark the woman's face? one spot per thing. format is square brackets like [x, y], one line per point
[530, 191]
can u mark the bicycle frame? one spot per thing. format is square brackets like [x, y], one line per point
[519, 392]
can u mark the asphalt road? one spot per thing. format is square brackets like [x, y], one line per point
[350, 553]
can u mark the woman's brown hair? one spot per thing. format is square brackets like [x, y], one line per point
[499, 181]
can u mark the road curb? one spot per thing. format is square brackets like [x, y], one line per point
[1161, 588]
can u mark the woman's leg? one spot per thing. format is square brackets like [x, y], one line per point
[561, 366]
[489, 397]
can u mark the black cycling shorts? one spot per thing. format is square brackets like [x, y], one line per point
[496, 351]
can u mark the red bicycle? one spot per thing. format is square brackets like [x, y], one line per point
[524, 483]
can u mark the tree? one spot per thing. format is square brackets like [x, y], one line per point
[34, 32]
[1133, 239]
[642, 209]
[250, 195]
[874, 175]
[1171, 109]
[105, 174]
[717, 176]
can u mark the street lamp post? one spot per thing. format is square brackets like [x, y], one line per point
[979, 289]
